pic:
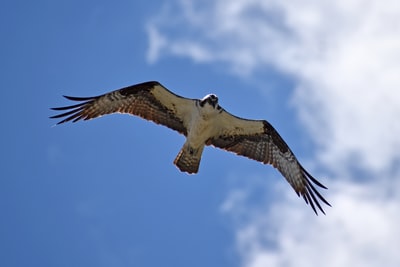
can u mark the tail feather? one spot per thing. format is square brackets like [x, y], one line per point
[188, 159]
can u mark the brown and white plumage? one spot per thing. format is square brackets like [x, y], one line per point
[203, 122]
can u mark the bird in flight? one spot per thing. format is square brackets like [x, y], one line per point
[203, 122]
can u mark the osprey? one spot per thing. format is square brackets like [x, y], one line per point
[203, 122]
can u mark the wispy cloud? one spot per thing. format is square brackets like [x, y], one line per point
[345, 56]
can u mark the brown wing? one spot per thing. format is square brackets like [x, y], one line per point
[263, 143]
[149, 100]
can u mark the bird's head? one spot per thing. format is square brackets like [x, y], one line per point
[210, 99]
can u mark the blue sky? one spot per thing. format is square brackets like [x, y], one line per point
[105, 192]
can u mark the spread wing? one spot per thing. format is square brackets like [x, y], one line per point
[149, 100]
[258, 140]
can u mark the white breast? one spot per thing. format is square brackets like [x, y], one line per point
[202, 125]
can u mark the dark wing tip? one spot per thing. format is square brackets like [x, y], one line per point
[75, 98]
[311, 194]
[73, 113]
[315, 181]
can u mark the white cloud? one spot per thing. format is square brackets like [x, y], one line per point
[360, 230]
[157, 43]
[345, 56]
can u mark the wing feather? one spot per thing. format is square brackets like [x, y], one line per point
[258, 140]
[149, 100]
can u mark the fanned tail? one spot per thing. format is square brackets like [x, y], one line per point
[188, 159]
